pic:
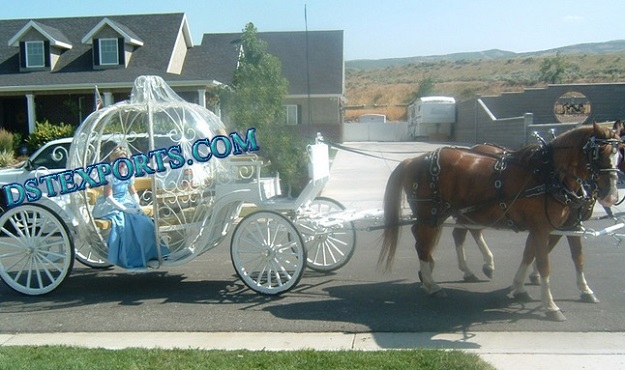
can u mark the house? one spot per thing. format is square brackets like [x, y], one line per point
[49, 67]
[312, 62]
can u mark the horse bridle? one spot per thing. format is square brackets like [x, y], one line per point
[592, 148]
[589, 188]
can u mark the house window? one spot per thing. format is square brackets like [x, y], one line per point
[35, 54]
[109, 52]
[292, 115]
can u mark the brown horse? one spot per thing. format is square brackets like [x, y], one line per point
[532, 189]
[575, 242]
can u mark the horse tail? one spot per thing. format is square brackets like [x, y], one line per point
[392, 214]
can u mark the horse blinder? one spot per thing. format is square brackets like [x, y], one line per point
[593, 149]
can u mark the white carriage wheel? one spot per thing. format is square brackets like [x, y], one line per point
[88, 257]
[36, 249]
[328, 249]
[268, 252]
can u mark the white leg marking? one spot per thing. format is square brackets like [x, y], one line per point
[519, 279]
[489, 260]
[582, 285]
[462, 260]
[429, 284]
[545, 294]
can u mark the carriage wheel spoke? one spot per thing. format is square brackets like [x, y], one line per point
[18, 245]
[55, 232]
[32, 230]
[23, 259]
[44, 262]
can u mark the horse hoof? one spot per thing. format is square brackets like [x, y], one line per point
[471, 279]
[420, 277]
[555, 315]
[534, 279]
[438, 294]
[522, 297]
[589, 298]
[488, 272]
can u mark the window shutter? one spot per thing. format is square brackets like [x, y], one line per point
[96, 52]
[46, 53]
[22, 54]
[120, 51]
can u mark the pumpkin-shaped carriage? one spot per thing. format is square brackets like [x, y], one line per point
[190, 180]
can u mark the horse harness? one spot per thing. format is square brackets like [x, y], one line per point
[580, 200]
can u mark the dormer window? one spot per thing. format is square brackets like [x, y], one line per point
[109, 52]
[35, 54]
[113, 44]
[40, 46]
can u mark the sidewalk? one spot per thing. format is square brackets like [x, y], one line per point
[505, 350]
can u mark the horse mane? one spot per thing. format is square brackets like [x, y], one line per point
[576, 137]
[526, 153]
[619, 127]
[568, 148]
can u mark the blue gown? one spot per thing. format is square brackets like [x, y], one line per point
[131, 241]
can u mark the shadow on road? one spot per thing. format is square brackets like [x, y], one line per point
[397, 306]
[92, 287]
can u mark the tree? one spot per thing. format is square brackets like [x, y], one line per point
[255, 100]
[552, 70]
[426, 86]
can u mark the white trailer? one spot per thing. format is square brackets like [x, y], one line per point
[432, 117]
[372, 118]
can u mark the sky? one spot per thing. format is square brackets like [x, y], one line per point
[376, 29]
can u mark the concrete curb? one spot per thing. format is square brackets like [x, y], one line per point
[505, 350]
[586, 343]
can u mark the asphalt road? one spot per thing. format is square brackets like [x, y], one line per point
[205, 294]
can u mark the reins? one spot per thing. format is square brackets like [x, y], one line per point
[365, 152]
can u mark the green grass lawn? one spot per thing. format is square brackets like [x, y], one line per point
[67, 358]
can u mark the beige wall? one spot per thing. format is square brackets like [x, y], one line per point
[325, 110]
[177, 58]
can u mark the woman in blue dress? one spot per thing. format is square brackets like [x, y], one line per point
[131, 241]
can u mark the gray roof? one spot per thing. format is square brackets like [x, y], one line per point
[215, 59]
[56, 34]
[218, 55]
[75, 66]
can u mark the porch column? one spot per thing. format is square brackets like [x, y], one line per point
[528, 119]
[217, 110]
[108, 99]
[201, 97]
[30, 109]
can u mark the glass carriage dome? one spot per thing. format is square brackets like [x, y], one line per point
[158, 130]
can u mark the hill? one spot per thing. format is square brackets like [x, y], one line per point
[608, 47]
[386, 86]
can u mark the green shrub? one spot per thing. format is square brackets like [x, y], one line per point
[7, 157]
[17, 141]
[45, 132]
[6, 141]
